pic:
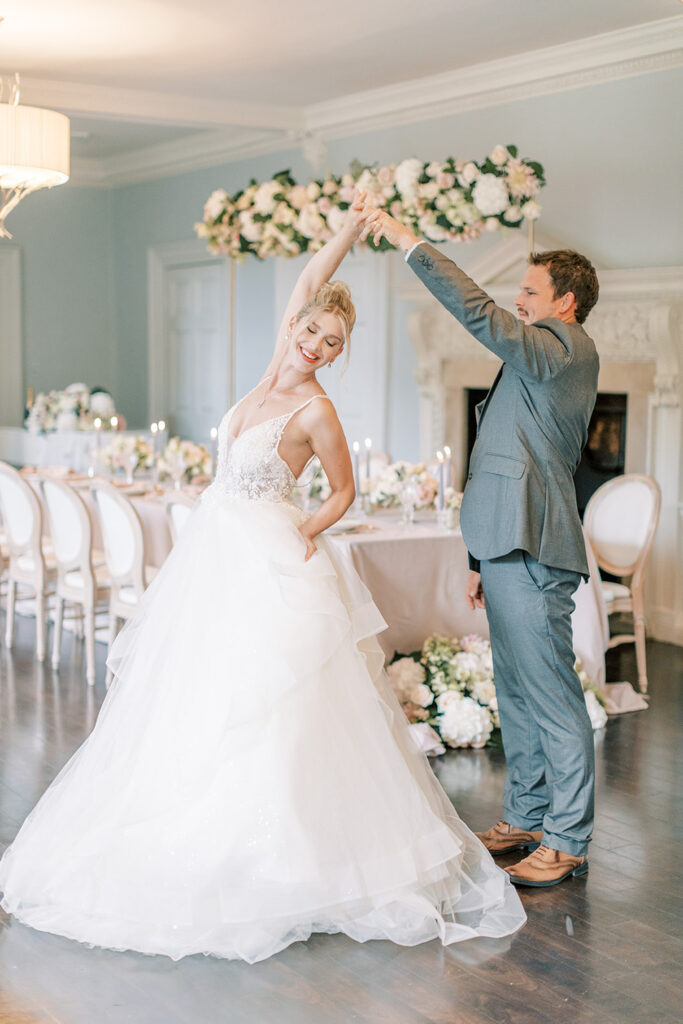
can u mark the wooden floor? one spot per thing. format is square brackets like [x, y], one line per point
[605, 948]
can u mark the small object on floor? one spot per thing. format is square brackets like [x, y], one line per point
[426, 739]
[545, 867]
[504, 838]
[621, 698]
[569, 925]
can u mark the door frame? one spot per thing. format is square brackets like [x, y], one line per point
[161, 259]
[11, 338]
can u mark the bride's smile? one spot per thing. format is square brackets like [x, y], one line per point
[320, 341]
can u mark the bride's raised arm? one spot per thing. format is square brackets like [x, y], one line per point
[316, 273]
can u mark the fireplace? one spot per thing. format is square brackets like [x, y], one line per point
[604, 456]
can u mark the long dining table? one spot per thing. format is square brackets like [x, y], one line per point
[416, 574]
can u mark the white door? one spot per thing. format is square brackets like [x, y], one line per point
[360, 392]
[189, 340]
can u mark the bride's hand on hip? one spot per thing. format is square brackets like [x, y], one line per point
[311, 549]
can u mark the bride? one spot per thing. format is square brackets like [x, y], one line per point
[251, 778]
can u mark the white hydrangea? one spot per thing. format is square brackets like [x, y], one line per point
[264, 200]
[214, 204]
[484, 690]
[407, 174]
[102, 405]
[490, 195]
[464, 723]
[250, 229]
[596, 712]
[335, 219]
[465, 666]
[309, 222]
[428, 227]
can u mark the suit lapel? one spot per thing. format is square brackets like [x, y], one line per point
[481, 408]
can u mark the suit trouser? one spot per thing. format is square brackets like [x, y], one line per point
[547, 734]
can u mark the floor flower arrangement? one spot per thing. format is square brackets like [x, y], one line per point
[449, 685]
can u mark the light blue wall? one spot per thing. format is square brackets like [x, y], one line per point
[66, 251]
[612, 155]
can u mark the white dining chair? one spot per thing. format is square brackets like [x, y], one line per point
[31, 562]
[124, 551]
[179, 507]
[82, 576]
[621, 521]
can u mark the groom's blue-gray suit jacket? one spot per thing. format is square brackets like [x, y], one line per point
[531, 428]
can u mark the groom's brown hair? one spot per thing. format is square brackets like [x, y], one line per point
[570, 272]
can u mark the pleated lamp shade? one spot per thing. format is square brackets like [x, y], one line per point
[34, 147]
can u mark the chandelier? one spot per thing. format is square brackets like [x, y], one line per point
[34, 150]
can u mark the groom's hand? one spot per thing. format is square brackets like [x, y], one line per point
[380, 224]
[474, 594]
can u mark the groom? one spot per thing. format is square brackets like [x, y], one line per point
[522, 529]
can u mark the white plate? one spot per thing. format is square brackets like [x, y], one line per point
[344, 526]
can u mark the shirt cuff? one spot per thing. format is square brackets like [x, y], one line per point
[412, 249]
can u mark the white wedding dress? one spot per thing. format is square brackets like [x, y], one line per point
[251, 778]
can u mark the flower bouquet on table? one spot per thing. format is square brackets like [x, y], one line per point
[452, 504]
[388, 488]
[449, 685]
[313, 485]
[127, 453]
[74, 408]
[184, 462]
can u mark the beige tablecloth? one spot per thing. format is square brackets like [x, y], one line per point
[417, 575]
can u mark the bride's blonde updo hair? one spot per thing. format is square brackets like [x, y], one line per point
[333, 297]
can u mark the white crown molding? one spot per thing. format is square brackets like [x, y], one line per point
[640, 49]
[87, 173]
[76, 98]
[206, 149]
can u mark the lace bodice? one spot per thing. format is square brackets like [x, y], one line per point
[250, 465]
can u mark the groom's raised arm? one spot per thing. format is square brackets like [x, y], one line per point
[540, 351]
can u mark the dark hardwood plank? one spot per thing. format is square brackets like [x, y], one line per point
[604, 949]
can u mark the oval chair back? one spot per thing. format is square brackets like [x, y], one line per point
[122, 536]
[79, 581]
[179, 507]
[23, 523]
[620, 522]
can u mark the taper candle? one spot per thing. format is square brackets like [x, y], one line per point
[368, 449]
[356, 467]
[440, 500]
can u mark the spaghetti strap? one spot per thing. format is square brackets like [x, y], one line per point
[304, 404]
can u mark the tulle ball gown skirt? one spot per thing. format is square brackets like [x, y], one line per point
[251, 779]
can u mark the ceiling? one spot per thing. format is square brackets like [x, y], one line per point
[155, 83]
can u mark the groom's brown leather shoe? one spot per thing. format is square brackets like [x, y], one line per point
[504, 838]
[546, 867]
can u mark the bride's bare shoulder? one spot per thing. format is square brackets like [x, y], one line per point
[321, 413]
